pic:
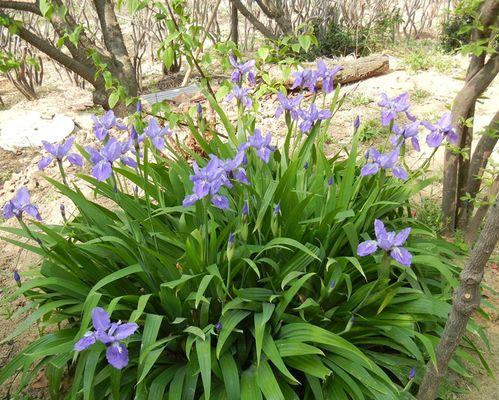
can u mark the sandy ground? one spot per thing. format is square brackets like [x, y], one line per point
[431, 91]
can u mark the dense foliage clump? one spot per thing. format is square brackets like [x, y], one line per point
[244, 270]
[452, 37]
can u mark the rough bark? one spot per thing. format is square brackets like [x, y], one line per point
[455, 166]
[115, 44]
[477, 165]
[234, 24]
[464, 166]
[466, 300]
[21, 6]
[464, 102]
[45, 47]
[254, 21]
[114, 55]
[275, 10]
[473, 228]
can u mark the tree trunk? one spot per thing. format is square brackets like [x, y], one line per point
[473, 227]
[115, 55]
[466, 301]
[464, 102]
[251, 18]
[463, 168]
[478, 78]
[234, 24]
[276, 11]
[115, 44]
[477, 165]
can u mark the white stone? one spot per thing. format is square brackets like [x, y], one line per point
[29, 128]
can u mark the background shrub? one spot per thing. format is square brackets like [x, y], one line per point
[452, 36]
[337, 39]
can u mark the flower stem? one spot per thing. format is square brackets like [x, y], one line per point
[61, 170]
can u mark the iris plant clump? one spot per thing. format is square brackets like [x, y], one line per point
[238, 266]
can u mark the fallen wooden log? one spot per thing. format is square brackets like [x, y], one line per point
[353, 69]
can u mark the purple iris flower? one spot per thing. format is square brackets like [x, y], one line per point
[438, 131]
[305, 78]
[233, 168]
[218, 326]
[109, 333]
[17, 277]
[134, 135]
[412, 373]
[399, 172]
[241, 69]
[388, 241]
[261, 145]
[393, 106]
[208, 181]
[383, 161]
[215, 174]
[245, 210]
[58, 151]
[277, 209]
[327, 75]
[311, 116]
[157, 134]
[408, 132]
[20, 203]
[330, 181]
[105, 123]
[103, 160]
[288, 104]
[220, 201]
[62, 209]
[241, 95]
[356, 123]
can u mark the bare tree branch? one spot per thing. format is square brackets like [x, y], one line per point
[21, 6]
[45, 47]
[277, 13]
[251, 18]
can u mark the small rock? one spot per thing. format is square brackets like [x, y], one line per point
[33, 184]
[47, 115]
